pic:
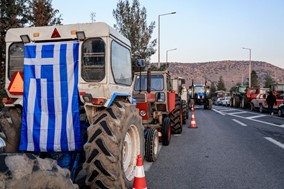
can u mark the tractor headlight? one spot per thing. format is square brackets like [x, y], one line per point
[160, 97]
[142, 113]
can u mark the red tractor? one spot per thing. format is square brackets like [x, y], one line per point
[160, 108]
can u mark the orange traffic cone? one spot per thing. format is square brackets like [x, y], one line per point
[192, 108]
[192, 122]
[139, 177]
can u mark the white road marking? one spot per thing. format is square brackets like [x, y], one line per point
[241, 123]
[252, 117]
[227, 110]
[240, 112]
[275, 142]
[218, 112]
[281, 126]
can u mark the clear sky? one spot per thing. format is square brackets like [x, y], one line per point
[201, 30]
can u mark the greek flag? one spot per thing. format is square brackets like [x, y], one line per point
[50, 116]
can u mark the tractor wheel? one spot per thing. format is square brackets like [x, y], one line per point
[184, 112]
[236, 101]
[244, 102]
[10, 128]
[151, 145]
[231, 102]
[209, 104]
[114, 140]
[166, 131]
[29, 171]
[176, 118]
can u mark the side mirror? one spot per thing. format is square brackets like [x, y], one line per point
[140, 63]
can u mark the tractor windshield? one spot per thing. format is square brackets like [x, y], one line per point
[157, 83]
[16, 58]
[199, 89]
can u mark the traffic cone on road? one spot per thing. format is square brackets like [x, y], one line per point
[192, 122]
[139, 177]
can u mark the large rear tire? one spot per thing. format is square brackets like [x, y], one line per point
[114, 140]
[29, 171]
[151, 145]
[176, 118]
[244, 102]
[236, 102]
[10, 128]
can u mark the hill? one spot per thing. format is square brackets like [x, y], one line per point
[231, 71]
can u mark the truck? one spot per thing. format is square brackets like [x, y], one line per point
[200, 94]
[69, 118]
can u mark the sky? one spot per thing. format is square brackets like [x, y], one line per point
[201, 30]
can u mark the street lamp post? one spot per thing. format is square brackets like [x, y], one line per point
[249, 65]
[167, 53]
[159, 35]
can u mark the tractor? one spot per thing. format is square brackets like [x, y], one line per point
[199, 94]
[159, 105]
[238, 96]
[69, 118]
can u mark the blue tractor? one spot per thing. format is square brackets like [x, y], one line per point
[199, 94]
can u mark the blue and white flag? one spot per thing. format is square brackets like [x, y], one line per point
[51, 116]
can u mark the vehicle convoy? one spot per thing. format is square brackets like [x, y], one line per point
[70, 99]
[159, 105]
[200, 94]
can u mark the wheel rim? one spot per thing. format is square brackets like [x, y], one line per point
[279, 113]
[156, 144]
[131, 148]
[260, 109]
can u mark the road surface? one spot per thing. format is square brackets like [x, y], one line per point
[231, 148]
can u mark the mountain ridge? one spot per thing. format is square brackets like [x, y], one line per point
[232, 71]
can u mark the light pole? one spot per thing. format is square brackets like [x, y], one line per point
[167, 53]
[249, 65]
[159, 35]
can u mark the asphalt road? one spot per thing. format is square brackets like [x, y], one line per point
[230, 149]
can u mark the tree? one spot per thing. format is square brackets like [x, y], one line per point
[268, 80]
[12, 15]
[212, 88]
[42, 14]
[254, 79]
[131, 22]
[221, 84]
